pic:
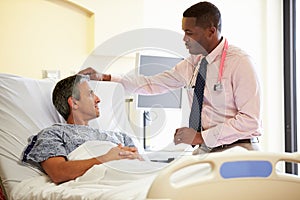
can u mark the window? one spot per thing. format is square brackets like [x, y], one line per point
[290, 81]
[298, 71]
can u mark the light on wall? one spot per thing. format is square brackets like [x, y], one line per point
[52, 74]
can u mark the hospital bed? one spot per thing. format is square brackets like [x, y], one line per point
[26, 108]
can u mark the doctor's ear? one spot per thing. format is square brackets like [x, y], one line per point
[211, 31]
[72, 102]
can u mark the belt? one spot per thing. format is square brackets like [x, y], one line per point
[223, 146]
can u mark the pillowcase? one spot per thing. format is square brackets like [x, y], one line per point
[25, 108]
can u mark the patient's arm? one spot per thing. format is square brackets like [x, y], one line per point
[59, 169]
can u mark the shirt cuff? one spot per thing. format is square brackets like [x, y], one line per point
[116, 78]
[210, 139]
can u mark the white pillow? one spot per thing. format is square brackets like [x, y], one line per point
[25, 109]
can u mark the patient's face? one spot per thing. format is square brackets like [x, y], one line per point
[88, 102]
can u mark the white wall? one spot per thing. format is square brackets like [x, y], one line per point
[41, 35]
[272, 77]
[114, 17]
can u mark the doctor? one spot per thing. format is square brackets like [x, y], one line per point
[231, 107]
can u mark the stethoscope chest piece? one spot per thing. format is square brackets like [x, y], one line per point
[218, 87]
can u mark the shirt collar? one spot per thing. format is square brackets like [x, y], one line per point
[216, 52]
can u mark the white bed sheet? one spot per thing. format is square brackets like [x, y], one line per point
[115, 180]
[121, 179]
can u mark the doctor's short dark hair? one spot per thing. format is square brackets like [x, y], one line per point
[64, 89]
[206, 14]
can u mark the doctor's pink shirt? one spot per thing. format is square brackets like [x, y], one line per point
[228, 115]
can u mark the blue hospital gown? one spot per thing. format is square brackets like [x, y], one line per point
[62, 139]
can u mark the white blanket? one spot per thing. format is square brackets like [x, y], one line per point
[115, 180]
[121, 179]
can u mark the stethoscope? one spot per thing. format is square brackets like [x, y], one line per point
[218, 86]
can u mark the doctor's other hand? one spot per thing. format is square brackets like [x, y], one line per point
[94, 75]
[187, 136]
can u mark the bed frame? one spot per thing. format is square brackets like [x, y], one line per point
[246, 175]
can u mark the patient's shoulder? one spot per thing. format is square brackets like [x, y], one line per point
[56, 130]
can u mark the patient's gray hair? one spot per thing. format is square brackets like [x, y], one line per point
[64, 89]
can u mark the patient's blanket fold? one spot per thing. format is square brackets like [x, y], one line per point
[116, 170]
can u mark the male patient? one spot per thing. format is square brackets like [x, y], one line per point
[76, 102]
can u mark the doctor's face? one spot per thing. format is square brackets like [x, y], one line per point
[195, 37]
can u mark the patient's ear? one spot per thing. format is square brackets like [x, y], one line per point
[72, 103]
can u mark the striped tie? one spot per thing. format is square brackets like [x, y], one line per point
[195, 115]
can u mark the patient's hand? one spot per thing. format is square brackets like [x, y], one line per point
[131, 149]
[94, 75]
[119, 152]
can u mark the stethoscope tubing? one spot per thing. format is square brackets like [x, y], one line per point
[221, 69]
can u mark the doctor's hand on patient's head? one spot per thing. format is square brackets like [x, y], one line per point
[94, 75]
